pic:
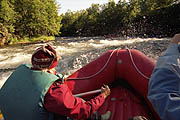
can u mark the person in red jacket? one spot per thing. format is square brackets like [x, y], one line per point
[59, 98]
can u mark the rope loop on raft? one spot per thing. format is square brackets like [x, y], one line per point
[137, 69]
[85, 78]
[105, 65]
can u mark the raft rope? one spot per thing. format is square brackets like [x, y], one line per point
[83, 78]
[137, 69]
[131, 58]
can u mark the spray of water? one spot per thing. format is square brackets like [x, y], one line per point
[77, 52]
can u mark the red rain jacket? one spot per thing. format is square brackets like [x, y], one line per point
[60, 100]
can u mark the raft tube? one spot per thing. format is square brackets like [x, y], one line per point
[127, 72]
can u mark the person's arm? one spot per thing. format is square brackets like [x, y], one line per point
[59, 100]
[164, 84]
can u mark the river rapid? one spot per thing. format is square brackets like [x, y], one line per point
[76, 52]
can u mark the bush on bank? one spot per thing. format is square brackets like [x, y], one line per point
[22, 20]
[163, 22]
[28, 19]
[134, 18]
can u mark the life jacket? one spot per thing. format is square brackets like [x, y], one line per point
[22, 95]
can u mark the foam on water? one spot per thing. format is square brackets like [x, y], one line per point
[13, 57]
[15, 60]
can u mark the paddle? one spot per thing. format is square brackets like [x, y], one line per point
[88, 93]
[112, 85]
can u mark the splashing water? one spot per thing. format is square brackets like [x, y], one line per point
[77, 52]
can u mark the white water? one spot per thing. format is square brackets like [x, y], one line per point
[75, 52]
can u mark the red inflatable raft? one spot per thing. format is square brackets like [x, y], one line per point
[127, 72]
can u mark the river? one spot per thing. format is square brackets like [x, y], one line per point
[76, 52]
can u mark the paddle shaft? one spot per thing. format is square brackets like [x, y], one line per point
[87, 93]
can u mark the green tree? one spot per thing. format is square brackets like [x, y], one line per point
[148, 6]
[90, 20]
[37, 17]
[164, 3]
[68, 23]
[107, 17]
[7, 20]
[124, 17]
[80, 22]
[52, 16]
[7, 15]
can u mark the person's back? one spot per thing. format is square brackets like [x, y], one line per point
[23, 92]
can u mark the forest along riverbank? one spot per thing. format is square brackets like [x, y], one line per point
[76, 52]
